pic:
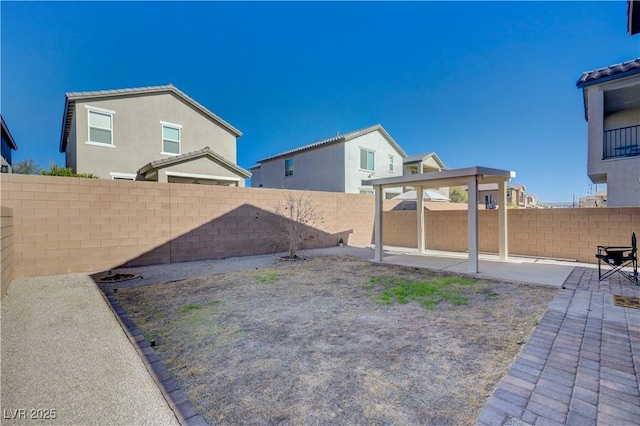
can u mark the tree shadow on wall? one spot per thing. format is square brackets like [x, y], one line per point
[244, 231]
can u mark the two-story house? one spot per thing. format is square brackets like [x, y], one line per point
[337, 164]
[8, 145]
[150, 133]
[424, 163]
[612, 110]
[488, 195]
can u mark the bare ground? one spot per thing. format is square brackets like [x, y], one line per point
[307, 343]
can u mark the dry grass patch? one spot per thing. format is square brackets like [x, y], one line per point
[337, 340]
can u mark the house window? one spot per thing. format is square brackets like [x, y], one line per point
[391, 163]
[171, 138]
[100, 126]
[288, 167]
[367, 160]
[366, 191]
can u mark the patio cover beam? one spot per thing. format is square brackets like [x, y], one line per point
[471, 176]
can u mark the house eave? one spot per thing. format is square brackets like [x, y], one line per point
[9, 136]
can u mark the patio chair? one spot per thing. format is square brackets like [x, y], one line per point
[617, 258]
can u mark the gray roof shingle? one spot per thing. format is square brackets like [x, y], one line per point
[339, 138]
[189, 156]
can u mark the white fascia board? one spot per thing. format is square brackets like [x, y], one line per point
[201, 176]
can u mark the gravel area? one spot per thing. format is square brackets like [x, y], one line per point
[66, 360]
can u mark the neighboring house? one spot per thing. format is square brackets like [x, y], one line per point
[599, 199]
[612, 109]
[337, 164]
[424, 163]
[150, 133]
[488, 195]
[8, 145]
[532, 202]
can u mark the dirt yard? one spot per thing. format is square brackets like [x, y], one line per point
[313, 342]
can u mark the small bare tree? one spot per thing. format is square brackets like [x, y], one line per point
[297, 215]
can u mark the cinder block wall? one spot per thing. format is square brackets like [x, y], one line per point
[63, 225]
[66, 225]
[557, 233]
[6, 247]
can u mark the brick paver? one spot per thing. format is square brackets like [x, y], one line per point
[581, 365]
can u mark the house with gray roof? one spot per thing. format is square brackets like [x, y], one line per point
[336, 164]
[340, 163]
[8, 145]
[149, 133]
[612, 110]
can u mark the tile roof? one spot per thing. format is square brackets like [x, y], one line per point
[611, 72]
[72, 97]
[189, 156]
[421, 157]
[339, 138]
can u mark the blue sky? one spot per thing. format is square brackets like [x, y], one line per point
[479, 83]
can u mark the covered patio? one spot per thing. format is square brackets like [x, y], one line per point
[472, 177]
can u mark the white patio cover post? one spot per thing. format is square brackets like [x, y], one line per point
[377, 223]
[473, 223]
[503, 236]
[420, 210]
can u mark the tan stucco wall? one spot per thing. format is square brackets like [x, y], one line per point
[203, 166]
[137, 133]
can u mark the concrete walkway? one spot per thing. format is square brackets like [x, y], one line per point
[581, 365]
[64, 355]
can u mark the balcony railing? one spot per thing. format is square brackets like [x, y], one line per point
[624, 142]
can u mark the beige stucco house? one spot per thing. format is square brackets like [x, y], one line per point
[516, 196]
[424, 163]
[150, 133]
[612, 109]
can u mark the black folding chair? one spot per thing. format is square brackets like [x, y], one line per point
[617, 258]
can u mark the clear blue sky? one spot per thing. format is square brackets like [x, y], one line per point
[480, 83]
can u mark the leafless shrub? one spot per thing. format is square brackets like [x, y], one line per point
[297, 218]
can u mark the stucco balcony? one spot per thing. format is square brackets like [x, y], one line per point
[622, 142]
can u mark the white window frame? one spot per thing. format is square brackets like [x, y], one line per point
[391, 165]
[164, 124]
[366, 191]
[292, 167]
[368, 150]
[102, 111]
[122, 176]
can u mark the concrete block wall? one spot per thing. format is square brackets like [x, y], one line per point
[6, 248]
[557, 233]
[64, 225]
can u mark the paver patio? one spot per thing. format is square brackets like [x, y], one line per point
[581, 365]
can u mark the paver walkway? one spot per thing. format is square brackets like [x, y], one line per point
[581, 365]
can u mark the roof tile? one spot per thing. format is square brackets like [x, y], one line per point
[338, 138]
[612, 71]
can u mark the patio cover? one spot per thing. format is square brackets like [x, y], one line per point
[472, 177]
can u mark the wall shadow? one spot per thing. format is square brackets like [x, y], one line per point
[245, 231]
